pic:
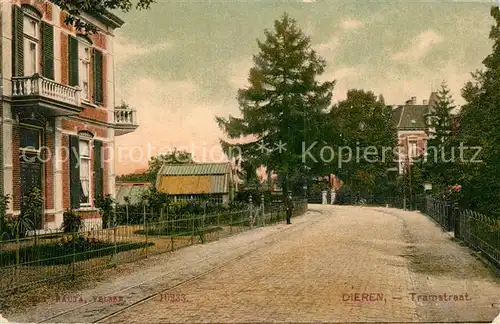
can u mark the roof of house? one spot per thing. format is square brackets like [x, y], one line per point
[195, 169]
[194, 179]
[433, 98]
[411, 116]
[132, 190]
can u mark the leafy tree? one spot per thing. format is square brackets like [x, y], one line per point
[156, 162]
[364, 135]
[75, 8]
[284, 103]
[134, 177]
[154, 165]
[480, 126]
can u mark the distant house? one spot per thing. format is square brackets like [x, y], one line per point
[131, 191]
[411, 122]
[198, 181]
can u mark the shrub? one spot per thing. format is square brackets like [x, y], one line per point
[31, 212]
[6, 225]
[72, 221]
[105, 205]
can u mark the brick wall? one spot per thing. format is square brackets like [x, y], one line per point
[41, 6]
[48, 10]
[99, 40]
[420, 138]
[49, 217]
[98, 114]
[89, 214]
[62, 18]
[76, 126]
[64, 58]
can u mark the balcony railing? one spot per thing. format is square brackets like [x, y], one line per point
[37, 85]
[125, 117]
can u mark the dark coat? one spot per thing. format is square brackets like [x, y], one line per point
[289, 204]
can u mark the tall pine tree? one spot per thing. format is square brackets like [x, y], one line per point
[440, 151]
[284, 106]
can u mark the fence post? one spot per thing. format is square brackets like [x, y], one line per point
[263, 211]
[114, 233]
[251, 211]
[18, 247]
[161, 218]
[457, 217]
[126, 211]
[203, 221]
[448, 217]
[218, 226]
[167, 224]
[145, 227]
[192, 229]
[74, 254]
[230, 222]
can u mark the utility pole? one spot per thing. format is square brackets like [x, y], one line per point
[409, 173]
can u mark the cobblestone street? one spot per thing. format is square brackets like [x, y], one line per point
[334, 264]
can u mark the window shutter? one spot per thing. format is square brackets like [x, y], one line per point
[74, 172]
[97, 66]
[48, 50]
[72, 61]
[17, 41]
[98, 170]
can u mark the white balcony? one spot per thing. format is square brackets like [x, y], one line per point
[44, 94]
[125, 120]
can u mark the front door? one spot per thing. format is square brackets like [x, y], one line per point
[31, 170]
[31, 177]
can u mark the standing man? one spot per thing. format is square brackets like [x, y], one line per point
[289, 208]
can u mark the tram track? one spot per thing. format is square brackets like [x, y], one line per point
[95, 309]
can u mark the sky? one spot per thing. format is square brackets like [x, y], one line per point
[182, 62]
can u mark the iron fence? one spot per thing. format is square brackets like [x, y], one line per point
[32, 260]
[478, 231]
[440, 211]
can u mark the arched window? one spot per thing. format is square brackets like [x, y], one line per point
[84, 52]
[84, 149]
[31, 32]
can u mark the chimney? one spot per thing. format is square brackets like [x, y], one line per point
[414, 100]
[425, 102]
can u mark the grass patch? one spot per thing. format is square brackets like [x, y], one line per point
[58, 253]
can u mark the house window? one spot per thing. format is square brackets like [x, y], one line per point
[413, 150]
[31, 29]
[84, 154]
[29, 139]
[84, 47]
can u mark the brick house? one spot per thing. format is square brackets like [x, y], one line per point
[411, 122]
[58, 114]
